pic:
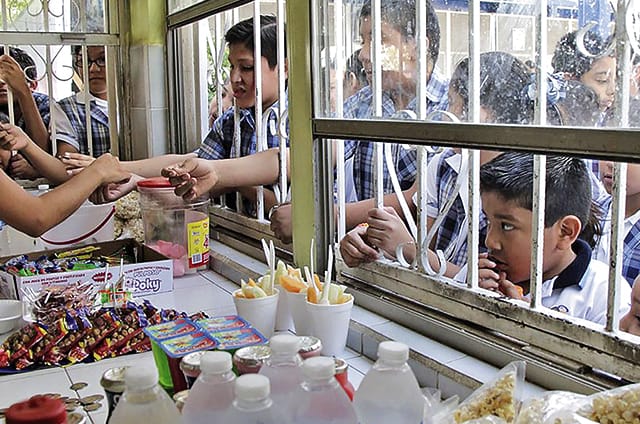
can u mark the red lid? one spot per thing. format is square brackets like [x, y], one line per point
[155, 182]
[37, 410]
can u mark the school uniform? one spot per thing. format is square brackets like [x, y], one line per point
[75, 109]
[630, 245]
[580, 290]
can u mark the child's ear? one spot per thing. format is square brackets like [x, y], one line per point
[570, 228]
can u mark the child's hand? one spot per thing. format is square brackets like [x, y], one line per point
[386, 230]
[13, 138]
[76, 162]
[509, 289]
[192, 178]
[354, 248]
[20, 168]
[488, 277]
[13, 75]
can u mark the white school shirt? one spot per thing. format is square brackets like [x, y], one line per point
[601, 252]
[580, 290]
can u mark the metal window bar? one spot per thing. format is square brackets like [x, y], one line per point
[112, 65]
[376, 55]
[261, 140]
[539, 162]
[474, 155]
[217, 52]
[5, 27]
[338, 11]
[282, 99]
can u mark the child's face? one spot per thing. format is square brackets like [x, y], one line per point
[243, 81]
[601, 78]
[633, 177]
[509, 238]
[97, 74]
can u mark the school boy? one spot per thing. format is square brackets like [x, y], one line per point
[572, 282]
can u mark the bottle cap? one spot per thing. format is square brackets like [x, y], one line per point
[393, 351]
[43, 187]
[215, 362]
[286, 344]
[318, 367]
[140, 378]
[341, 365]
[37, 410]
[252, 387]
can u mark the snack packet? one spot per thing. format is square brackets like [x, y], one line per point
[537, 410]
[616, 406]
[498, 397]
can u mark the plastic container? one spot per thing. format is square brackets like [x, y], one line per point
[252, 404]
[320, 399]
[190, 366]
[249, 359]
[283, 369]
[212, 393]
[144, 400]
[342, 376]
[177, 229]
[389, 392]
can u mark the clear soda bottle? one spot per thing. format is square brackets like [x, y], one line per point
[212, 393]
[283, 369]
[389, 392]
[252, 404]
[144, 400]
[320, 399]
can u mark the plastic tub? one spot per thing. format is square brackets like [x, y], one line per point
[173, 227]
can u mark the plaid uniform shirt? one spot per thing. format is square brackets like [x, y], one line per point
[451, 228]
[74, 108]
[360, 106]
[218, 144]
[630, 244]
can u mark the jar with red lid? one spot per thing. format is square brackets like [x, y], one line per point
[37, 410]
[343, 377]
[177, 229]
[309, 347]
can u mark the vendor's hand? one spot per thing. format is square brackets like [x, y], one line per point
[192, 178]
[13, 138]
[280, 218]
[108, 193]
[20, 168]
[76, 162]
[354, 248]
[387, 231]
[13, 75]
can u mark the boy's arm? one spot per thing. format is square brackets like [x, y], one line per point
[14, 76]
[13, 138]
[35, 215]
[358, 212]
[147, 168]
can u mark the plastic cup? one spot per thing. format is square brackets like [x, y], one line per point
[298, 306]
[259, 312]
[330, 323]
[284, 321]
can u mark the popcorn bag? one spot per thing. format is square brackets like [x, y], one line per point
[498, 398]
[541, 409]
[616, 406]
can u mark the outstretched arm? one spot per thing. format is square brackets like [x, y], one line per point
[13, 138]
[35, 215]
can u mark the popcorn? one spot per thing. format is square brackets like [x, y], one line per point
[618, 406]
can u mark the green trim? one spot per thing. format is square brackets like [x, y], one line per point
[301, 147]
[148, 22]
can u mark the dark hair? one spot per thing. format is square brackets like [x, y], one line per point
[401, 14]
[579, 106]
[568, 58]
[568, 187]
[503, 83]
[24, 60]
[242, 33]
[355, 66]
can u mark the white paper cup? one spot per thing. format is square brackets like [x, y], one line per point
[298, 306]
[284, 322]
[330, 323]
[259, 312]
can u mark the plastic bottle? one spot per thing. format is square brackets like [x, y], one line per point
[144, 400]
[283, 370]
[212, 393]
[252, 404]
[389, 392]
[342, 375]
[320, 399]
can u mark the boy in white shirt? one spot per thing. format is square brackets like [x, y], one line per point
[572, 282]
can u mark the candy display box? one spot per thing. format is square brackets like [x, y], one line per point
[150, 274]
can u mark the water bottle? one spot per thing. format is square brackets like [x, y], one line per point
[389, 392]
[320, 399]
[212, 393]
[252, 404]
[283, 369]
[144, 400]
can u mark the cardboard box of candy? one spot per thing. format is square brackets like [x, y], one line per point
[145, 272]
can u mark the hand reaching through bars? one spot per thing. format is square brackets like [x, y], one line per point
[192, 178]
